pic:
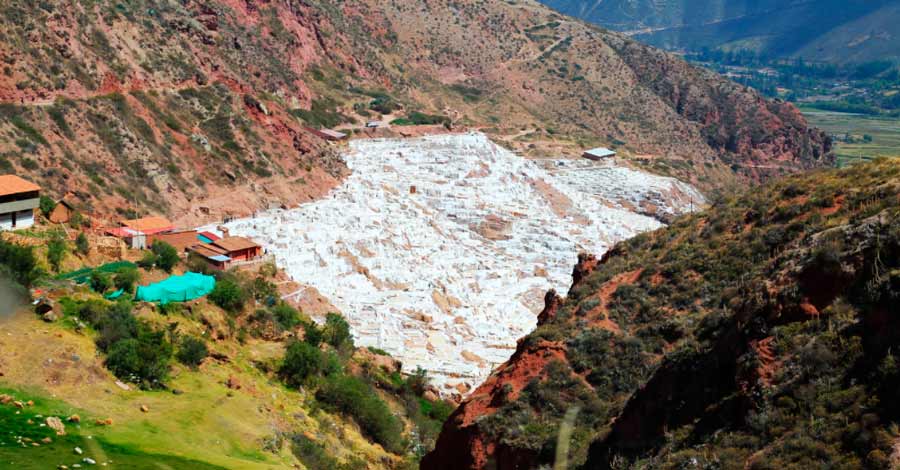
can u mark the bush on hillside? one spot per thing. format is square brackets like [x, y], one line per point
[337, 332]
[20, 262]
[142, 359]
[82, 244]
[100, 282]
[126, 278]
[301, 361]
[192, 351]
[147, 261]
[356, 398]
[229, 295]
[166, 256]
[46, 205]
[56, 251]
[312, 334]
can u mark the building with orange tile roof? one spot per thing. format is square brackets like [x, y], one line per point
[18, 200]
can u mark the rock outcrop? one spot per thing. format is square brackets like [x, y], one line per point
[739, 332]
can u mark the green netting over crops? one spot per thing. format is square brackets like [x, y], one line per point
[83, 275]
[177, 289]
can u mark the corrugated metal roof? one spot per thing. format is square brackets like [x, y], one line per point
[12, 184]
[209, 236]
[600, 152]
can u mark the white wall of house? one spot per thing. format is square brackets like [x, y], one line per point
[23, 219]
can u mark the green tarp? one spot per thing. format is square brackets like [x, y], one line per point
[177, 289]
[114, 295]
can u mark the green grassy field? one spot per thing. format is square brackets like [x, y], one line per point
[22, 445]
[885, 133]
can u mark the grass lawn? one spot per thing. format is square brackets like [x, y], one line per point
[208, 426]
[885, 134]
[20, 429]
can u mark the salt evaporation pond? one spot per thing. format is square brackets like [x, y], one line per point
[440, 249]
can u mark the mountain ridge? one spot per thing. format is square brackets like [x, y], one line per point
[193, 109]
[817, 30]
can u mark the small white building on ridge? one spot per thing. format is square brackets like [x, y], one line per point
[18, 200]
[599, 153]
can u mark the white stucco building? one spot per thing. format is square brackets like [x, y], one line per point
[18, 200]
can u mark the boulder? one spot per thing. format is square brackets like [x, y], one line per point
[74, 419]
[233, 383]
[49, 317]
[57, 425]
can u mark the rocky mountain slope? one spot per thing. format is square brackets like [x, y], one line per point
[831, 30]
[198, 109]
[780, 353]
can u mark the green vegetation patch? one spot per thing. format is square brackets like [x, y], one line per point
[21, 429]
[417, 118]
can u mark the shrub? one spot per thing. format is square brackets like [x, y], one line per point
[47, 205]
[82, 244]
[337, 332]
[263, 290]
[56, 251]
[143, 359]
[166, 256]
[357, 399]
[312, 454]
[229, 295]
[312, 334]
[100, 282]
[147, 261]
[114, 324]
[126, 278]
[192, 351]
[301, 360]
[286, 316]
[20, 262]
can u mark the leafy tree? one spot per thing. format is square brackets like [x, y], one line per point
[166, 256]
[82, 244]
[46, 205]
[56, 251]
[77, 220]
[192, 351]
[229, 295]
[126, 278]
[301, 360]
[337, 332]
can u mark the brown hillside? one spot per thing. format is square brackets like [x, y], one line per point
[759, 334]
[198, 108]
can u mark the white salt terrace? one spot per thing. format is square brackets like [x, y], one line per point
[440, 249]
